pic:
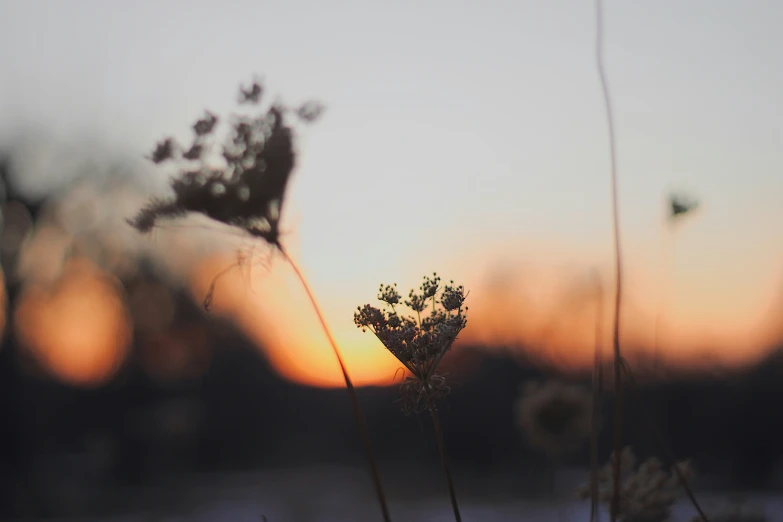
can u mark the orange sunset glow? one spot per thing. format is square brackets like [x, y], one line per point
[78, 328]
[273, 310]
[553, 316]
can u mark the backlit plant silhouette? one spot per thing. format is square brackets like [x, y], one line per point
[618, 263]
[419, 342]
[620, 366]
[245, 187]
[554, 417]
[648, 491]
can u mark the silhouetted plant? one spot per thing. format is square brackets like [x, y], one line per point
[680, 204]
[554, 417]
[618, 263]
[247, 191]
[648, 492]
[419, 342]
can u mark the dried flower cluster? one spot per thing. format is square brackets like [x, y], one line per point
[554, 416]
[248, 189]
[680, 205]
[648, 492]
[419, 342]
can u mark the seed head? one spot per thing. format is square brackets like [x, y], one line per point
[248, 192]
[680, 205]
[554, 417]
[389, 294]
[164, 150]
[205, 125]
[251, 94]
[419, 342]
[648, 492]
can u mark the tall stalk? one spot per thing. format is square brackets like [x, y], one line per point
[618, 374]
[597, 389]
[360, 419]
[444, 459]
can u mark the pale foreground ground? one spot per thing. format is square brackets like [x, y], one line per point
[344, 494]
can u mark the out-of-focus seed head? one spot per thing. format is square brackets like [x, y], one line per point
[249, 191]
[164, 150]
[648, 492]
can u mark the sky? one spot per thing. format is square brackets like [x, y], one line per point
[460, 137]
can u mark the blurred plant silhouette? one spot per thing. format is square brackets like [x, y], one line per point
[247, 191]
[680, 204]
[647, 492]
[555, 417]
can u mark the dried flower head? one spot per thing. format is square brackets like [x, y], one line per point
[648, 492]
[680, 205]
[248, 190]
[555, 417]
[251, 94]
[419, 342]
[205, 125]
[164, 150]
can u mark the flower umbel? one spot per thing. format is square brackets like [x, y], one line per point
[247, 189]
[647, 492]
[419, 342]
[554, 416]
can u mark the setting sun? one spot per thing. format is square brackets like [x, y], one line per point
[271, 308]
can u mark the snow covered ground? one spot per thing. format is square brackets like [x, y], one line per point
[340, 494]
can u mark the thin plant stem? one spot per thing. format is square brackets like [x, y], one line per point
[360, 420]
[618, 384]
[444, 459]
[598, 375]
[665, 448]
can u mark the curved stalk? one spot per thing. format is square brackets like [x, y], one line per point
[360, 419]
[618, 374]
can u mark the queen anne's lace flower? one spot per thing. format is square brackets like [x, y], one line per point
[419, 342]
[648, 492]
[248, 190]
[554, 417]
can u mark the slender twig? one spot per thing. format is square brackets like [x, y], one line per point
[618, 420]
[598, 377]
[665, 447]
[360, 420]
[444, 459]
